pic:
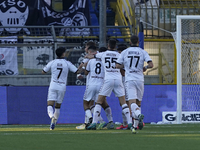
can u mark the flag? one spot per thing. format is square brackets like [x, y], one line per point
[36, 57]
[8, 57]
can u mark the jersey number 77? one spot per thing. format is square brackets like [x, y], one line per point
[136, 60]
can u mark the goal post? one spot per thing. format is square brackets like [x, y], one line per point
[188, 65]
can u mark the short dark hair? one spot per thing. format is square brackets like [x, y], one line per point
[102, 49]
[112, 43]
[60, 51]
[121, 48]
[90, 43]
[92, 48]
[134, 39]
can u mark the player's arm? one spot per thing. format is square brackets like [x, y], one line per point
[47, 68]
[119, 66]
[90, 56]
[43, 72]
[150, 65]
[87, 68]
[81, 65]
[86, 72]
[122, 71]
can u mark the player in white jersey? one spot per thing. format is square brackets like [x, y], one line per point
[124, 125]
[112, 82]
[105, 105]
[59, 71]
[95, 77]
[82, 67]
[132, 59]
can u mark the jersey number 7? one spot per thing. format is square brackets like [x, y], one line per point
[59, 72]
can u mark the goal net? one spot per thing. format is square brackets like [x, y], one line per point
[187, 39]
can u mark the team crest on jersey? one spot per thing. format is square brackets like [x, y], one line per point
[43, 59]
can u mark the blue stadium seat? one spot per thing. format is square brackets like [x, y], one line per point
[93, 20]
[115, 32]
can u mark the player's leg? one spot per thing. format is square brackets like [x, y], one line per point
[125, 110]
[60, 96]
[52, 98]
[82, 126]
[50, 109]
[108, 111]
[86, 105]
[104, 92]
[125, 122]
[97, 112]
[136, 90]
[88, 113]
[120, 93]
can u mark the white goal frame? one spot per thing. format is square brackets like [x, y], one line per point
[179, 66]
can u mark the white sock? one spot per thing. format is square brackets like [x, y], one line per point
[97, 112]
[101, 119]
[88, 113]
[135, 123]
[92, 109]
[57, 113]
[108, 112]
[86, 119]
[124, 119]
[135, 110]
[50, 111]
[126, 112]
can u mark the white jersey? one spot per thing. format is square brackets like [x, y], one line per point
[59, 72]
[109, 58]
[96, 72]
[133, 59]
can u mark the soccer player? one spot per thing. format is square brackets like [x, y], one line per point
[82, 67]
[132, 59]
[95, 76]
[91, 103]
[124, 125]
[59, 71]
[112, 82]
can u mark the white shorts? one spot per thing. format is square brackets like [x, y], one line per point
[56, 95]
[135, 89]
[114, 85]
[91, 92]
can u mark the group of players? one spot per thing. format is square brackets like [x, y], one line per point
[107, 71]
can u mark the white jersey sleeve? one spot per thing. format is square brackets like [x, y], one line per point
[48, 66]
[88, 66]
[99, 55]
[146, 56]
[120, 59]
[72, 68]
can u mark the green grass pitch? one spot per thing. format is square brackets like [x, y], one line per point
[66, 137]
